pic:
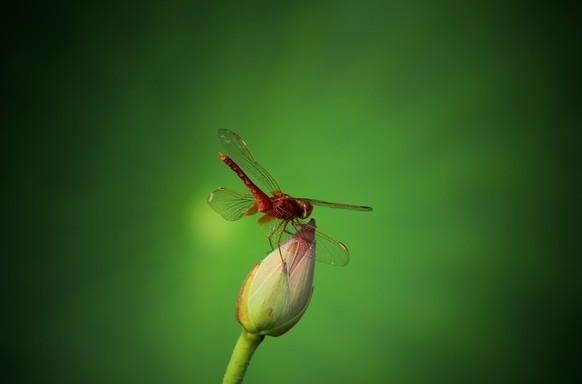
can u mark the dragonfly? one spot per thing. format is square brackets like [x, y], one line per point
[285, 214]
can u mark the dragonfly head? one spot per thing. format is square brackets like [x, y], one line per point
[306, 208]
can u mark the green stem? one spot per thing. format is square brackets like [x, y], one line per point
[241, 356]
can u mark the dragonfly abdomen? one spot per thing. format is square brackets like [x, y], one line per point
[263, 201]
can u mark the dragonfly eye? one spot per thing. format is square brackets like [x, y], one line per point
[306, 208]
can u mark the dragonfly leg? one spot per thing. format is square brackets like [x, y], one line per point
[279, 244]
[296, 226]
[274, 229]
[288, 231]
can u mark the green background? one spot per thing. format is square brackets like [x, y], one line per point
[455, 121]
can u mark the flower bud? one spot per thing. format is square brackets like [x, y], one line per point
[277, 291]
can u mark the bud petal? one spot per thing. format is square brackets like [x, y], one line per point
[275, 295]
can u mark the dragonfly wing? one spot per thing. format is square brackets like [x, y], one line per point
[327, 249]
[328, 204]
[237, 149]
[229, 204]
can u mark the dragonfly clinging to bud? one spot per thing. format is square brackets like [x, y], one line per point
[285, 212]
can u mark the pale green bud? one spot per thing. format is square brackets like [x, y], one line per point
[275, 294]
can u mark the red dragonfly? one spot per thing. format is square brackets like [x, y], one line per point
[286, 212]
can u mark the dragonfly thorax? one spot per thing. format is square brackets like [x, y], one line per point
[286, 207]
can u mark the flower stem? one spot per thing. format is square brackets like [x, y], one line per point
[245, 346]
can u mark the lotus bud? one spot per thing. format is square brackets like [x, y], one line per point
[277, 291]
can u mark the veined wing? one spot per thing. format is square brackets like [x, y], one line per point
[236, 148]
[328, 204]
[229, 204]
[330, 251]
[327, 249]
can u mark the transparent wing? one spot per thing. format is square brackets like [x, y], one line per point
[330, 251]
[236, 148]
[229, 204]
[339, 205]
[327, 249]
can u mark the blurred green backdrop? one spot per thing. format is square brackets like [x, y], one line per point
[453, 120]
